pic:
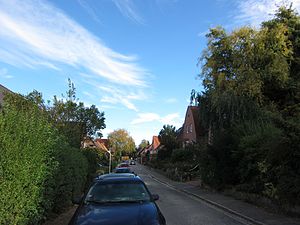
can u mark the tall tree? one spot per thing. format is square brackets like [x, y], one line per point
[144, 143]
[167, 137]
[252, 103]
[120, 142]
[71, 117]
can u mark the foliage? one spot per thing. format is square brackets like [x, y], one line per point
[251, 105]
[39, 171]
[70, 177]
[73, 119]
[26, 160]
[167, 137]
[164, 153]
[187, 154]
[94, 158]
[121, 142]
[144, 143]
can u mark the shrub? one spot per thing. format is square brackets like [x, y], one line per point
[28, 145]
[70, 178]
[164, 154]
[38, 169]
[94, 158]
[180, 155]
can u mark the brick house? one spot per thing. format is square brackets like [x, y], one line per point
[102, 144]
[154, 147]
[144, 154]
[190, 132]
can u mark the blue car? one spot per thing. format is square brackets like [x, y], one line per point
[118, 200]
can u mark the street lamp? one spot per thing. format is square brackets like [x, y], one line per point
[109, 166]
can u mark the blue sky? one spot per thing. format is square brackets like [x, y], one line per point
[134, 59]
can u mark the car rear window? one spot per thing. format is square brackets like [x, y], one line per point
[122, 170]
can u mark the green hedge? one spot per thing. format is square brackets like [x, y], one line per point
[38, 169]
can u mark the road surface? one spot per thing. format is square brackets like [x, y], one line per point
[182, 209]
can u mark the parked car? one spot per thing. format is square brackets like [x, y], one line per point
[123, 170]
[118, 200]
[132, 162]
[101, 177]
[123, 165]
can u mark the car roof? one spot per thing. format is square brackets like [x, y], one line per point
[122, 168]
[118, 177]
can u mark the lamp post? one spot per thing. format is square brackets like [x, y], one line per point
[109, 166]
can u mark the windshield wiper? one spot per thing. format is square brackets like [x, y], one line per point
[97, 202]
[126, 201]
[116, 201]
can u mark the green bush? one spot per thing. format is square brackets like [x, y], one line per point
[38, 169]
[70, 178]
[94, 158]
[28, 146]
[164, 154]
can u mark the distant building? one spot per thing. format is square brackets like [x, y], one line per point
[88, 142]
[154, 147]
[190, 132]
[102, 144]
[144, 154]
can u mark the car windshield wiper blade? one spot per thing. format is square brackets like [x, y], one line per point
[126, 201]
[117, 201]
[97, 202]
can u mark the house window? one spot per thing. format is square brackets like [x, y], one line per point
[187, 129]
[191, 128]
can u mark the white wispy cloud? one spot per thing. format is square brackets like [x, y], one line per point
[253, 12]
[128, 9]
[88, 94]
[203, 33]
[115, 95]
[34, 33]
[145, 117]
[89, 9]
[171, 100]
[172, 119]
[4, 73]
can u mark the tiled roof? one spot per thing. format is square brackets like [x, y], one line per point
[102, 144]
[155, 142]
[102, 141]
[195, 113]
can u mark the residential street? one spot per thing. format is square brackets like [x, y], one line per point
[182, 209]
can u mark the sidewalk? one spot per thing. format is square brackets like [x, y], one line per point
[251, 213]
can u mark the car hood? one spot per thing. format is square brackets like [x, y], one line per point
[117, 214]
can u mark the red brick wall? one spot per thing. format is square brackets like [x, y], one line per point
[189, 132]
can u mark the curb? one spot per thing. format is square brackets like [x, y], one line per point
[210, 202]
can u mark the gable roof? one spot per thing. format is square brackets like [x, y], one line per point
[102, 144]
[192, 115]
[155, 142]
[103, 141]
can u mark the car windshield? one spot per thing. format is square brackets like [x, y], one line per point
[118, 192]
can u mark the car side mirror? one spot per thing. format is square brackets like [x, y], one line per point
[155, 197]
[76, 200]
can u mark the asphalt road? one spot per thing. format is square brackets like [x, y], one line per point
[182, 209]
